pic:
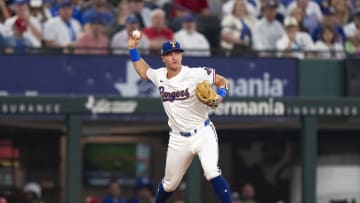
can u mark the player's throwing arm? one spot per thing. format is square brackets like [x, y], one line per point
[140, 65]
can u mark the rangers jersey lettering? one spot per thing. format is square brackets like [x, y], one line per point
[178, 97]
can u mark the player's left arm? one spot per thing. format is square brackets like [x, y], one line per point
[222, 85]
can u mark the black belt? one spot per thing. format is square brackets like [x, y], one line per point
[188, 134]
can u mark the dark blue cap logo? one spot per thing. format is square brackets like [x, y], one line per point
[170, 46]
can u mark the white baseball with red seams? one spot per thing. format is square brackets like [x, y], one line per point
[186, 115]
[136, 34]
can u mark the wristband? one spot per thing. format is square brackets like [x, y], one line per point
[222, 92]
[134, 55]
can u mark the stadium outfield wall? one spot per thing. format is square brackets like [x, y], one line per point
[107, 85]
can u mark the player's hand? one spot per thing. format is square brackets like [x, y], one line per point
[215, 103]
[133, 41]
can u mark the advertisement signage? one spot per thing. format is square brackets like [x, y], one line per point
[115, 75]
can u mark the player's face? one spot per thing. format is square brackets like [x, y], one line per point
[172, 60]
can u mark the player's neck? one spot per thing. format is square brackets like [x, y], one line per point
[172, 72]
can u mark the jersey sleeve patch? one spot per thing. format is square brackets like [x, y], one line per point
[211, 73]
[208, 70]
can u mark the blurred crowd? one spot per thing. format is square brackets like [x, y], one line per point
[144, 192]
[30, 193]
[295, 28]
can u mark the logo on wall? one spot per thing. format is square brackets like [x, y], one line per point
[264, 86]
[134, 85]
[107, 106]
[267, 107]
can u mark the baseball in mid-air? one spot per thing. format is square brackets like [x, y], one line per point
[136, 34]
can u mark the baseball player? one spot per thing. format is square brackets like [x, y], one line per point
[186, 94]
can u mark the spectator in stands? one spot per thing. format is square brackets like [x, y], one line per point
[143, 14]
[299, 15]
[94, 40]
[228, 7]
[32, 192]
[5, 12]
[313, 15]
[327, 46]
[294, 43]
[236, 33]
[144, 188]
[120, 39]
[310, 7]
[77, 9]
[122, 13]
[114, 195]
[329, 20]
[63, 30]
[198, 7]
[174, 16]
[281, 11]
[352, 32]
[193, 42]
[267, 30]
[247, 194]
[18, 42]
[102, 7]
[33, 31]
[342, 11]
[158, 32]
[39, 11]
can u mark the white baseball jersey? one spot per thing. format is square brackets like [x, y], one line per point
[186, 114]
[183, 109]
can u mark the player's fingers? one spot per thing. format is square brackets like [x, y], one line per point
[211, 103]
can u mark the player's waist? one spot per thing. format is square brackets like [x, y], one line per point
[194, 131]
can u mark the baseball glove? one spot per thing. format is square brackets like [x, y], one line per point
[206, 94]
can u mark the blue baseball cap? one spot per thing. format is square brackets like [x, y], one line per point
[97, 18]
[187, 18]
[131, 19]
[65, 3]
[170, 46]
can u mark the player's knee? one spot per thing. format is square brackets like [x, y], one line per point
[211, 173]
[170, 185]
